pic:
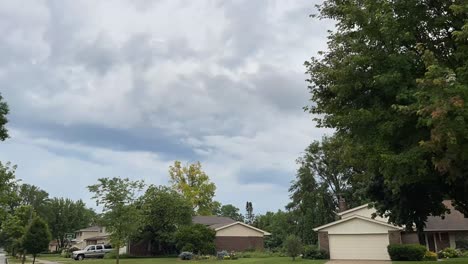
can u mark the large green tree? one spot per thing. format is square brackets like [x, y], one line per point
[193, 183]
[163, 211]
[64, 216]
[14, 227]
[36, 238]
[394, 83]
[4, 110]
[117, 197]
[312, 204]
[229, 210]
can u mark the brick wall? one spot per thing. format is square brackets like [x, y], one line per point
[230, 243]
[394, 237]
[324, 244]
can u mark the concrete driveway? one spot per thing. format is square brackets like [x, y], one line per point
[359, 262]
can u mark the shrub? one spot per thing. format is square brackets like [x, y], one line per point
[293, 246]
[198, 237]
[186, 255]
[449, 253]
[221, 254]
[411, 252]
[430, 256]
[312, 252]
[462, 244]
[65, 254]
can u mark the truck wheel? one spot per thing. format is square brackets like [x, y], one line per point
[80, 257]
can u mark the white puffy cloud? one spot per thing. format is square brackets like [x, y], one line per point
[125, 87]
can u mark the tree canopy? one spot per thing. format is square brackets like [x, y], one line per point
[117, 197]
[36, 238]
[195, 185]
[229, 210]
[394, 83]
[163, 211]
[4, 110]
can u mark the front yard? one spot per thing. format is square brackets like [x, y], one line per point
[269, 260]
[272, 260]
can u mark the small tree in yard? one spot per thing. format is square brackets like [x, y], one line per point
[37, 237]
[117, 196]
[293, 246]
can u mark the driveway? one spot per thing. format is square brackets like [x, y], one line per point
[359, 262]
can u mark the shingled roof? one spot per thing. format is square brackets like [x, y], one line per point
[213, 221]
[455, 221]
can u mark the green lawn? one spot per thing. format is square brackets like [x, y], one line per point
[445, 261]
[272, 260]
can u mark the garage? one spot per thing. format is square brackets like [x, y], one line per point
[357, 237]
[365, 247]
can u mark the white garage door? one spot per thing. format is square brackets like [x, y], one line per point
[372, 246]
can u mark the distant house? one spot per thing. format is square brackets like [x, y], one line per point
[357, 236]
[232, 235]
[90, 236]
[53, 246]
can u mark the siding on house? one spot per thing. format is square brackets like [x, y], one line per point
[238, 231]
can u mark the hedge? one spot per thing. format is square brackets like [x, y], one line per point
[407, 252]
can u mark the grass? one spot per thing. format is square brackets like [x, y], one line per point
[272, 260]
[445, 261]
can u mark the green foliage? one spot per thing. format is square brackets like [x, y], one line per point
[120, 214]
[313, 252]
[462, 244]
[293, 246]
[194, 184]
[229, 210]
[393, 82]
[430, 256]
[249, 215]
[163, 210]
[37, 237]
[279, 224]
[4, 110]
[449, 253]
[199, 237]
[65, 216]
[324, 176]
[14, 228]
[8, 189]
[406, 252]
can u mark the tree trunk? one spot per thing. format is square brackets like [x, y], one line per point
[117, 257]
[23, 259]
[34, 258]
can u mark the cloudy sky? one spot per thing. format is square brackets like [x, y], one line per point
[124, 88]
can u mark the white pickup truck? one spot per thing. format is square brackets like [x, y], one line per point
[91, 251]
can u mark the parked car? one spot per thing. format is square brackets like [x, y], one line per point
[91, 251]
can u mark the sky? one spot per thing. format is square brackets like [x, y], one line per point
[123, 88]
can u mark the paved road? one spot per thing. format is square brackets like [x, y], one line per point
[2, 258]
